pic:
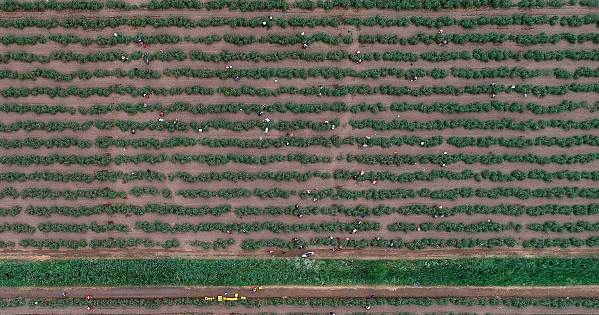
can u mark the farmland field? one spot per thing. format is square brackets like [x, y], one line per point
[442, 154]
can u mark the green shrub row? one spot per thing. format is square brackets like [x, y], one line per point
[53, 243]
[387, 89]
[128, 125]
[393, 55]
[101, 176]
[205, 125]
[434, 5]
[216, 245]
[295, 108]
[123, 209]
[101, 91]
[416, 209]
[176, 158]
[49, 126]
[22, 40]
[68, 56]
[112, 209]
[272, 5]
[471, 23]
[17, 228]
[503, 209]
[217, 159]
[554, 302]
[245, 228]
[36, 143]
[81, 228]
[114, 176]
[21, 108]
[377, 20]
[96, 243]
[4, 244]
[81, 74]
[485, 159]
[521, 143]
[478, 38]
[339, 55]
[248, 176]
[518, 72]
[43, 193]
[235, 193]
[478, 227]
[54, 5]
[451, 194]
[494, 176]
[293, 141]
[277, 107]
[480, 107]
[251, 244]
[325, 72]
[279, 39]
[554, 226]
[561, 242]
[12, 211]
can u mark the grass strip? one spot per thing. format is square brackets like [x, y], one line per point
[248, 272]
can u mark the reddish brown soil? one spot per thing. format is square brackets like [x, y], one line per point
[234, 251]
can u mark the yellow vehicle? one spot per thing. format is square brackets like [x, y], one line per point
[235, 298]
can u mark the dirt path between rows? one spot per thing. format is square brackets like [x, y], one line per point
[309, 292]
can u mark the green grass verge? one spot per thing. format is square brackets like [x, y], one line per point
[249, 272]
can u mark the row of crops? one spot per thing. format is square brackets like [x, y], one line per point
[299, 244]
[406, 177]
[294, 21]
[169, 55]
[312, 303]
[289, 73]
[569, 192]
[249, 90]
[395, 141]
[301, 108]
[281, 227]
[513, 210]
[259, 5]
[299, 38]
[248, 159]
